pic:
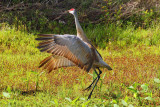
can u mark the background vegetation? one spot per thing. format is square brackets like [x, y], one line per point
[126, 33]
[49, 16]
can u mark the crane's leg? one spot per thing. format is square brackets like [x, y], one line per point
[89, 87]
[98, 77]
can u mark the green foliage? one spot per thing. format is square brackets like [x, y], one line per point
[45, 16]
[140, 13]
[115, 22]
[138, 93]
[13, 41]
[7, 95]
[157, 80]
[136, 56]
[102, 35]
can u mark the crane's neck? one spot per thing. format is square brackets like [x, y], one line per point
[80, 32]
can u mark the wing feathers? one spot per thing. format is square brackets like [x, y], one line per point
[45, 61]
[43, 45]
[68, 46]
[53, 62]
[44, 38]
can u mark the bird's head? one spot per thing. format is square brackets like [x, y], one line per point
[72, 11]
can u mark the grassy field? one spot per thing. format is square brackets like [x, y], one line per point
[134, 80]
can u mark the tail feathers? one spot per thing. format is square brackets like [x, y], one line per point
[108, 67]
[104, 64]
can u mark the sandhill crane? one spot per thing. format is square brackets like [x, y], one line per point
[71, 50]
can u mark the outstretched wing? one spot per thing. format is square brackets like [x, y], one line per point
[67, 46]
[53, 62]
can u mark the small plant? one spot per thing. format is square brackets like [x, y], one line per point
[157, 80]
[101, 79]
[139, 93]
[6, 94]
[37, 78]
[28, 78]
[55, 102]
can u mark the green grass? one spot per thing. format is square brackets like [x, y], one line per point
[123, 36]
[134, 81]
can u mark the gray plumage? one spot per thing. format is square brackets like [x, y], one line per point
[67, 46]
[71, 50]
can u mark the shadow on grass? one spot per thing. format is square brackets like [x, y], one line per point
[30, 92]
[22, 92]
